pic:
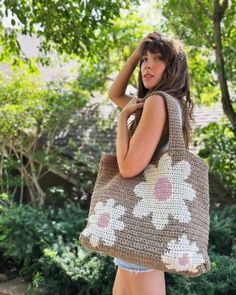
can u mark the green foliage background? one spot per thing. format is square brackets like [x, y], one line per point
[42, 241]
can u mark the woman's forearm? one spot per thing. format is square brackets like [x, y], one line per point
[122, 140]
[120, 83]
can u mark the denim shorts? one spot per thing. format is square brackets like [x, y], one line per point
[130, 266]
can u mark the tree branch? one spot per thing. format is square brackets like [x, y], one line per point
[225, 97]
[52, 169]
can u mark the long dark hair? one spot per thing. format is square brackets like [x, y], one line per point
[175, 80]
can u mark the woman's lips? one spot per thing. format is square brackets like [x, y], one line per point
[148, 76]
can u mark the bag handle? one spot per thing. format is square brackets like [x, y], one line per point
[176, 137]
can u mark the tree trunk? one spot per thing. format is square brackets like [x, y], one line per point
[219, 11]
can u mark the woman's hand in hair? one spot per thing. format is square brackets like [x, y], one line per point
[148, 38]
[132, 106]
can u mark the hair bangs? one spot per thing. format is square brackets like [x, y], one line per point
[158, 46]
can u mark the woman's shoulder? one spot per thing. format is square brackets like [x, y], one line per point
[155, 98]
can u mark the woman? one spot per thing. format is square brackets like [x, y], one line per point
[163, 66]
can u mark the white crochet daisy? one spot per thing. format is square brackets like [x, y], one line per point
[182, 255]
[164, 191]
[104, 222]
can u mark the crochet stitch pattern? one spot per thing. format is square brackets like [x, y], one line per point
[167, 186]
[187, 255]
[104, 222]
[160, 217]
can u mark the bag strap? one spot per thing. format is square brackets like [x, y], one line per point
[176, 137]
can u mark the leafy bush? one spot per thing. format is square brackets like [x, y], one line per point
[79, 270]
[219, 281]
[223, 230]
[44, 243]
[218, 145]
[23, 232]
[38, 228]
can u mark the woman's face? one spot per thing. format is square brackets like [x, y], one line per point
[152, 69]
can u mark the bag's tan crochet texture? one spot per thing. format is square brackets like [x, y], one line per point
[159, 218]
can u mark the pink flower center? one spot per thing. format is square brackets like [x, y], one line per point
[103, 220]
[184, 259]
[163, 189]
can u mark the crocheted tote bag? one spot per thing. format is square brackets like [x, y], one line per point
[159, 218]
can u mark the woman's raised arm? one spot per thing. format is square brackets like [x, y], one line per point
[117, 90]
